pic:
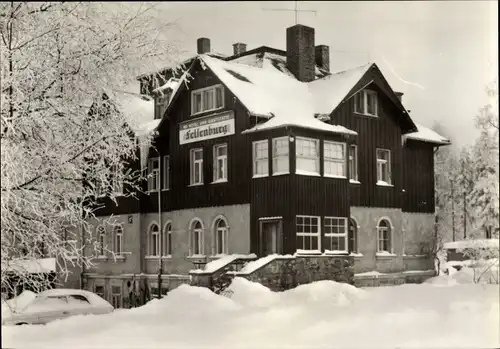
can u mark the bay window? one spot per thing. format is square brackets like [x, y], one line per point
[334, 159]
[281, 162]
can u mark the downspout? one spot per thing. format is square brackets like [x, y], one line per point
[160, 228]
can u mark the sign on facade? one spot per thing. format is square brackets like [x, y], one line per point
[208, 127]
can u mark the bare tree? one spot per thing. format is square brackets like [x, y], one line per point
[61, 142]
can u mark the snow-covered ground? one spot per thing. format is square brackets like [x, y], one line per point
[446, 311]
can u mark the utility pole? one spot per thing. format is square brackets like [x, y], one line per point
[296, 10]
[160, 228]
[452, 210]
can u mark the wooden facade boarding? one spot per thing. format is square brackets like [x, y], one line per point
[276, 200]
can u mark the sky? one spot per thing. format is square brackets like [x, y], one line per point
[440, 54]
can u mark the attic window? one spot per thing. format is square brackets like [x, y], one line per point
[237, 75]
[366, 102]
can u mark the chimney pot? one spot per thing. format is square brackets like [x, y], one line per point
[239, 48]
[300, 57]
[322, 55]
[203, 45]
[399, 95]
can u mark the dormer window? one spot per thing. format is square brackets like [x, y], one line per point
[207, 99]
[365, 102]
[162, 103]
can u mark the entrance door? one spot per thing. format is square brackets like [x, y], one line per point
[270, 233]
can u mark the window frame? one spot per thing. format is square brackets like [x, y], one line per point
[353, 163]
[354, 237]
[330, 235]
[379, 163]
[275, 156]
[255, 160]
[118, 232]
[117, 185]
[101, 236]
[192, 166]
[166, 173]
[389, 228]
[152, 176]
[317, 159]
[225, 236]
[103, 295]
[225, 160]
[154, 236]
[335, 160]
[202, 91]
[114, 294]
[201, 234]
[167, 240]
[310, 235]
[363, 94]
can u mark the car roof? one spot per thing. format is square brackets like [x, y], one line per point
[65, 292]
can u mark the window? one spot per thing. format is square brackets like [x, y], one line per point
[154, 240]
[353, 162]
[307, 156]
[166, 172]
[308, 234]
[196, 241]
[99, 290]
[154, 174]
[116, 296]
[162, 103]
[118, 241]
[207, 99]
[281, 163]
[77, 298]
[117, 181]
[384, 236]
[220, 162]
[221, 236]
[365, 102]
[336, 234]
[353, 235]
[196, 166]
[167, 240]
[101, 235]
[334, 157]
[260, 158]
[383, 166]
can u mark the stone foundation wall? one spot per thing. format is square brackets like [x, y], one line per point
[286, 273]
[392, 279]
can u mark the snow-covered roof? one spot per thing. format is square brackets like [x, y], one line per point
[31, 266]
[138, 110]
[268, 92]
[426, 135]
[477, 243]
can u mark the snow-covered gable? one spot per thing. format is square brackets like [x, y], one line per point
[268, 92]
[426, 135]
[331, 90]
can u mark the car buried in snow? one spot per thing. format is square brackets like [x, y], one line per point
[37, 309]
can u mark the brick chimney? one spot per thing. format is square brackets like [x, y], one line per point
[203, 45]
[300, 58]
[399, 95]
[322, 54]
[239, 48]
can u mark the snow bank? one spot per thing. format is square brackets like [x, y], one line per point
[319, 315]
[478, 243]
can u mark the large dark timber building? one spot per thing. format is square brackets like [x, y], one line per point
[265, 152]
